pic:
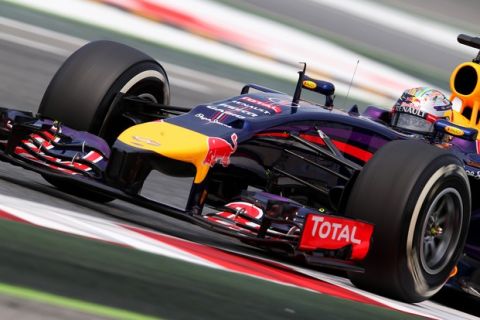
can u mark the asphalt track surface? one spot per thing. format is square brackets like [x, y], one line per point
[24, 74]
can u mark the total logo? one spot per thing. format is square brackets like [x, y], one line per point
[333, 231]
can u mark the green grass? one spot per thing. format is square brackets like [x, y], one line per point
[68, 303]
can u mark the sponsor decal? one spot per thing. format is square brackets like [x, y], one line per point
[146, 141]
[454, 131]
[447, 106]
[279, 102]
[309, 84]
[270, 105]
[244, 110]
[331, 233]
[244, 106]
[220, 150]
[441, 102]
[409, 100]
[236, 221]
[203, 117]
[473, 174]
[410, 110]
[226, 112]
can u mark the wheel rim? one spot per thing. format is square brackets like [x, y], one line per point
[440, 230]
[148, 96]
[147, 89]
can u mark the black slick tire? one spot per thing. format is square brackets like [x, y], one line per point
[82, 90]
[402, 190]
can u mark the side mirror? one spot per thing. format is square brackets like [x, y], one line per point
[456, 130]
[323, 87]
[319, 86]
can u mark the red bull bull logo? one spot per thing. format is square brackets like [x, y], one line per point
[220, 150]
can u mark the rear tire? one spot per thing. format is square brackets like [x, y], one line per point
[418, 197]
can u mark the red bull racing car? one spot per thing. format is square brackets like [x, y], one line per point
[331, 188]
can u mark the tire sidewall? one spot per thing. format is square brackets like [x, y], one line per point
[83, 89]
[150, 72]
[446, 176]
[402, 177]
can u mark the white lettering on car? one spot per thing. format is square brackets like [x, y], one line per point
[473, 174]
[326, 230]
[201, 116]
[335, 226]
[271, 106]
[215, 108]
[411, 110]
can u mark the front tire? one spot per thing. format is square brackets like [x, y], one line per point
[82, 92]
[418, 197]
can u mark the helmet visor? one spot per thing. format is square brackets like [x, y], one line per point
[413, 123]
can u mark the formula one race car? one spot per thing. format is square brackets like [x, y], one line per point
[333, 188]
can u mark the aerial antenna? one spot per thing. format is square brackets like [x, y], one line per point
[351, 83]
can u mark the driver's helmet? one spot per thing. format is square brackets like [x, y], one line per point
[417, 110]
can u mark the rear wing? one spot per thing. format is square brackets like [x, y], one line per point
[465, 87]
[470, 41]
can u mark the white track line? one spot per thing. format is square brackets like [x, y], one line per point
[34, 44]
[41, 31]
[78, 42]
[345, 284]
[96, 228]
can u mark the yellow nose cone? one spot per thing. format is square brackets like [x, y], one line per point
[171, 141]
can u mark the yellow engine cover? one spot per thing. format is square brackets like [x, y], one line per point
[465, 86]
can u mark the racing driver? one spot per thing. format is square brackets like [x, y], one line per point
[416, 111]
